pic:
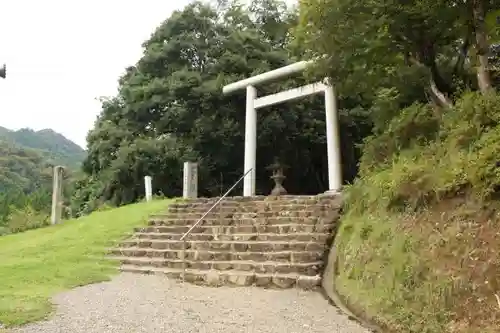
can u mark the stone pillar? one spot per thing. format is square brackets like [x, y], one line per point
[57, 199]
[148, 188]
[250, 142]
[333, 142]
[190, 188]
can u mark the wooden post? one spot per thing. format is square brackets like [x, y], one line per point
[57, 200]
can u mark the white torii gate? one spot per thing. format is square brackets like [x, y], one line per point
[253, 103]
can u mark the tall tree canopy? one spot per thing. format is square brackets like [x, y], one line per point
[170, 108]
[373, 41]
[394, 54]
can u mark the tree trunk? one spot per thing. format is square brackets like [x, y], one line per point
[438, 96]
[482, 46]
[437, 85]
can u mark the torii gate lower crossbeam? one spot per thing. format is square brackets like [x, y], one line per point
[253, 103]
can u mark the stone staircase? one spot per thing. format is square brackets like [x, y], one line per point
[273, 242]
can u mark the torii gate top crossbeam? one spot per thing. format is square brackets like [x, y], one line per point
[274, 74]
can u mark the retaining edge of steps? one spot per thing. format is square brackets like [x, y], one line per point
[330, 292]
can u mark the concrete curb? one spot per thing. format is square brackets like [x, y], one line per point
[329, 291]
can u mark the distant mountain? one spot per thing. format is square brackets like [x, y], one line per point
[22, 169]
[52, 146]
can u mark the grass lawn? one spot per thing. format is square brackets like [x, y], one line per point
[37, 264]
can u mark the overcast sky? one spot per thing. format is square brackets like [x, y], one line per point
[62, 55]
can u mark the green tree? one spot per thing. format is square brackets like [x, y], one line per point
[369, 42]
[170, 108]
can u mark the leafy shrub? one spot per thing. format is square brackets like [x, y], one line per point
[416, 125]
[26, 218]
[458, 152]
[38, 201]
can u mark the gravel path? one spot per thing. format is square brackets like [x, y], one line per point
[133, 303]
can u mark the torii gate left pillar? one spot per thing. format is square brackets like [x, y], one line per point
[253, 103]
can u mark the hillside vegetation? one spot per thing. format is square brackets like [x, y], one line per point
[418, 246]
[417, 250]
[26, 166]
[25, 189]
[37, 264]
[22, 169]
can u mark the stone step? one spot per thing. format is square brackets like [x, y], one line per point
[300, 237]
[232, 277]
[264, 205]
[232, 246]
[332, 201]
[230, 198]
[278, 256]
[254, 207]
[240, 199]
[241, 215]
[225, 221]
[263, 267]
[240, 229]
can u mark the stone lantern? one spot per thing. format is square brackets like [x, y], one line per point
[278, 177]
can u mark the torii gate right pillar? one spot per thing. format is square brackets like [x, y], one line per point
[333, 141]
